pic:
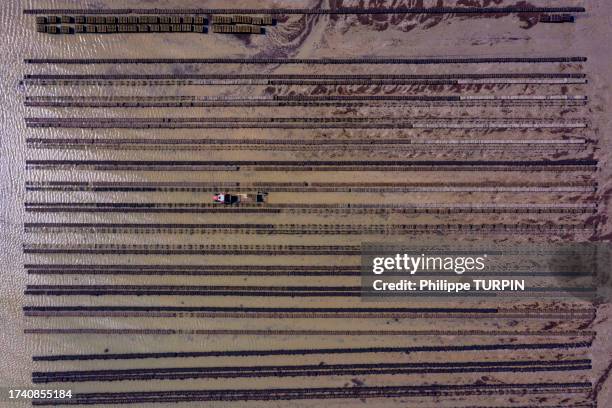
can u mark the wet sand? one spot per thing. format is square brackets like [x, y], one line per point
[295, 36]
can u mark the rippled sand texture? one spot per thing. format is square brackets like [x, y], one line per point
[538, 203]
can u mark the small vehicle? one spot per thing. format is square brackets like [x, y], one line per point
[557, 18]
[229, 198]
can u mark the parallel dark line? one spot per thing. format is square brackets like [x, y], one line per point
[214, 184]
[309, 187]
[430, 364]
[313, 315]
[571, 405]
[230, 210]
[75, 98]
[170, 272]
[187, 266]
[207, 293]
[296, 82]
[314, 11]
[566, 162]
[153, 272]
[263, 294]
[204, 270]
[322, 61]
[307, 142]
[302, 103]
[301, 123]
[462, 310]
[296, 98]
[391, 124]
[276, 398]
[271, 332]
[255, 291]
[296, 229]
[193, 249]
[71, 289]
[268, 294]
[309, 351]
[517, 149]
[189, 287]
[312, 373]
[285, 394]
[275, 119]
[546, 75]
[411, 83]
[254, 312]
[430, 206]
[417, 97]
[178, 189]
[302, 294]
[274, 209]
[237, 288]
[164, 249]
[319, 165]
[281, 125]
[281, 398]
[303, 167]
[302, 98]
[237, 372]
[306, 104]
[270, 226]
[239, 270]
